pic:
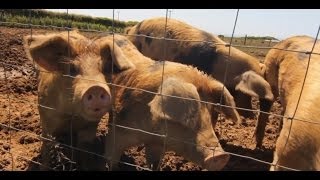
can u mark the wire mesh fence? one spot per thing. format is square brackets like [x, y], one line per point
[113, 125]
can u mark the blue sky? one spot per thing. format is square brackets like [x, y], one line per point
[279, 23]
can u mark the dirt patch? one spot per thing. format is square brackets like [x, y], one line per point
[20, 147]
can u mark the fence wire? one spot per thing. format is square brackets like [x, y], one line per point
[113, 101]
[312, 121]
[112, 85]
[161, 88]
[228, 59]
[139, 130]
[154, 37]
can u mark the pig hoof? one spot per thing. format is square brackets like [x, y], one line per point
[217, 161]
[259, 146]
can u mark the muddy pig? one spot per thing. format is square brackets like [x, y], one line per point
[72, 89]
[298, 145]
[244, 76]
[184, 125]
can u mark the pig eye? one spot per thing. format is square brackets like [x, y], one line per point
[73, 70]
[107, 68]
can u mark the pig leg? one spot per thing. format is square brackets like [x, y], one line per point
[291, 152]
[124, 138]
[45, 148]
[275, 159]
[265, 105]
[87, 141]
[50, 151]
[153, 153]
[45, 156]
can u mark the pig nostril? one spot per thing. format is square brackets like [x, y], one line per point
[102, 96]
[96, 109]
[89, 97]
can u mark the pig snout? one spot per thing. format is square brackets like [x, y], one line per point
[96, 101]
[216, 161]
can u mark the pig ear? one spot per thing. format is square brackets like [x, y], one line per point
[113, 51]
[127, 29]
[252, 84]
[48, 51]
[262, 68]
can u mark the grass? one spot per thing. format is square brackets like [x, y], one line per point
[43, 17]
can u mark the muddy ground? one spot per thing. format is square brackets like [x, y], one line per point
[20, 146]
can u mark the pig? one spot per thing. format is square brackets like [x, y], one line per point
[244, 77]
[186, 124]
[298, 145]
[85, 96]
